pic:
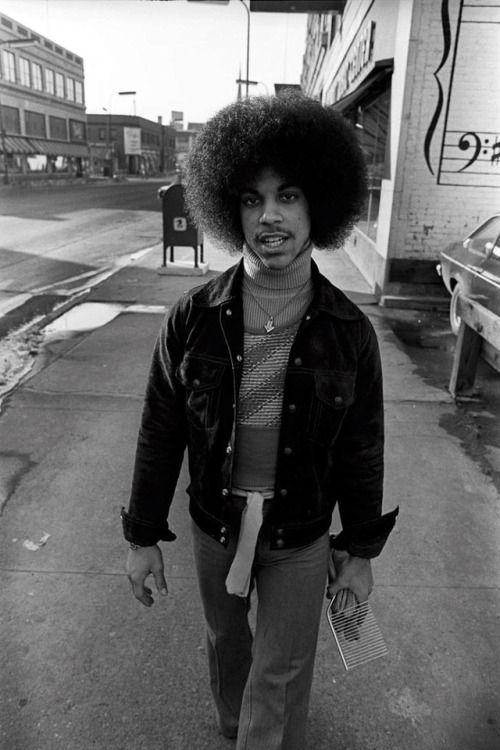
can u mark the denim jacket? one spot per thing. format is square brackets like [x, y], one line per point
[331, 436]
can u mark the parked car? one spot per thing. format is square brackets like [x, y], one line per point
[472, 266]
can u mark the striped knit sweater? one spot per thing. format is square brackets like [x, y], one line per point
[286, 294]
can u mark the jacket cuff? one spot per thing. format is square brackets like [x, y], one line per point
[145, 533]
[365, 539]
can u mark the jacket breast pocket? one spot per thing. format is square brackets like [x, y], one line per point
[202, 381]
[333, 394]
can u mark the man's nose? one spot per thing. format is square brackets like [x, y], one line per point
[271, 213]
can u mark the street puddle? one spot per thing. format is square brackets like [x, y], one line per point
[84, 317]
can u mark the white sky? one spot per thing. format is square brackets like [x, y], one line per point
[177, 55]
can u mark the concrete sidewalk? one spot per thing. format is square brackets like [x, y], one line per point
[85, 666]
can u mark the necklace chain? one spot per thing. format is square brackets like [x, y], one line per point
[269, 326]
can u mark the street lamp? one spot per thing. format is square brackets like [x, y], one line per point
[110, 142]
[248, 45]
[10, 43]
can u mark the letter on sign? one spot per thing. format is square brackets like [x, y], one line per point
[180, 224]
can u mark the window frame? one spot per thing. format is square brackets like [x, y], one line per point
[60, 86]
[9, 66]
[24, 72]
[50, 82]
[36, 76]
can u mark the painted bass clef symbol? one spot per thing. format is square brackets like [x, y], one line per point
[464, 144]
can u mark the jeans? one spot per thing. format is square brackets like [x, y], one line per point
[261, 683]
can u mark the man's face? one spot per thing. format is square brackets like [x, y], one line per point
[275, 219]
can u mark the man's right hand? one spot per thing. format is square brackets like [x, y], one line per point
[142, 562]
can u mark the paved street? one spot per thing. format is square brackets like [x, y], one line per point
[85, 666]
[58, 238]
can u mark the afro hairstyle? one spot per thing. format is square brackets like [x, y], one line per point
[306, 143]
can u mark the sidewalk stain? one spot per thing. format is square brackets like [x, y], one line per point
[13, 467]
[404, 704]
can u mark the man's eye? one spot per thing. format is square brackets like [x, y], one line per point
[249, 200]
[288, 197]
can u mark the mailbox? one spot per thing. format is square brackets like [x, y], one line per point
[178, 229]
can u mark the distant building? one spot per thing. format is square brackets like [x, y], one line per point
[419, 80]
[126, 144]
[42, 105]
[184, 139]
[195, 126]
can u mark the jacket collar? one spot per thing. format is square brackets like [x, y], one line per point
[327, 297]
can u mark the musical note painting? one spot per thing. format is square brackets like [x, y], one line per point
[470, 147]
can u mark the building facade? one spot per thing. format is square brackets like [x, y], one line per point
[419, 80]
[127, 144]
[42, 105]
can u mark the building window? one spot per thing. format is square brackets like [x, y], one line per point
[24, 71]
[58, 128]
[78, 92]
[112, 134]
[36, 71]
[9, 66]
[11, 120]
[372, 124]
[70, 89]
[49, 81]
[76, 130]
[102, 134]
[60, 85]
[35, 124]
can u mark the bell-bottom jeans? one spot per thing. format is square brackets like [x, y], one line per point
[261, 683]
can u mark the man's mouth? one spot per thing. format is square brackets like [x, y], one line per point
[273, 241]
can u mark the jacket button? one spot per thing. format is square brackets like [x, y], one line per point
[308, 317]
[283, 492]
[280, 543]
[239, 358]
[196, 382]
[222, 539]
[292, 408]
[297, 361]
[229, 311]
[225, 492]
[223, 530]
[280, 532]
[339, 400]
[229, 449]
[287, 451]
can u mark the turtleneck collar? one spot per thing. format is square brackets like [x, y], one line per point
[293, 276]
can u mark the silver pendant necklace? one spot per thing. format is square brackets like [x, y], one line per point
[269, 325]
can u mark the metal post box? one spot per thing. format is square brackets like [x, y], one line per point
[178, 229]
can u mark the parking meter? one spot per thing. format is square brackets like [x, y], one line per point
[178, 229]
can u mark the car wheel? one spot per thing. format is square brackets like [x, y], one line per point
[455, 318]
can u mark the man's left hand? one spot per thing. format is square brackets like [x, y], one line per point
[350, 575]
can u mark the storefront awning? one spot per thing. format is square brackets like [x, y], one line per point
[17, 145]
[370, 84]
[56, 148]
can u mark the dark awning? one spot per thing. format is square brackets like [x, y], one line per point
[371, 84]
[17, 145]
[58, 148]
[297, 6]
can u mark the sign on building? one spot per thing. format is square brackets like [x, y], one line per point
[132, 141]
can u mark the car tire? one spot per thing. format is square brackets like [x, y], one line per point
[455, 319]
